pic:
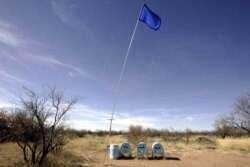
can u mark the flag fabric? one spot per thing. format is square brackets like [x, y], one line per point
[150, 18]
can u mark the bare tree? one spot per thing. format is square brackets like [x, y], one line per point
[38, 123]
[240, 117]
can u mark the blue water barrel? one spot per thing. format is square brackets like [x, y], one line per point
[142, 150]
[125, 150]
[157, 150]
[114, 151]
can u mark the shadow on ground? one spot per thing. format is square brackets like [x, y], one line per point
[164, 158]
[172, 158]
[150, 158]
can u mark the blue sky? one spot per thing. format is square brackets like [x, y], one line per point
[182, 76]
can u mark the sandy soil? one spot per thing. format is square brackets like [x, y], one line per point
[205, 159]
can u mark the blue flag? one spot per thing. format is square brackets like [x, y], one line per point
[150, 18]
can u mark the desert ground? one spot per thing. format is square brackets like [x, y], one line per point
[205, 159]
[90, 151]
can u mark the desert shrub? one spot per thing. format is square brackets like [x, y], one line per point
[223, 128]
[137, 134]
[153, 132]
[4, 127]
[238, 133]
[187, 135]
[103, 132]
[172, 136]
[73, 133]
[205, 140]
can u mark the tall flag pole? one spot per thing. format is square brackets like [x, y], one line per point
[121, 74]
[154, 22]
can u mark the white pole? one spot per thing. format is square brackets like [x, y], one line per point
[121, 75]
[120, 79]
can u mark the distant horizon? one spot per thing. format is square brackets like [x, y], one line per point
[126, 130]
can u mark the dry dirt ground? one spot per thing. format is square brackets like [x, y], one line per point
[205, 159]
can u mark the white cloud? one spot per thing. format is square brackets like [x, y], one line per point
[189, 118]
[59, 11]
[23, 50]
[88, 124]
[5, 97]
[64, 10]
[4, 104]
[87, 117]
[50, 60]
[186, 117]
[151, 110]
[144, 121]
[87, 111]
[6, 54]
[10, 77]
[5, 25]
[163, 110]
[9, 36]
[3, 91]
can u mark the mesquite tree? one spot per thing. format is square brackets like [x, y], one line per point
[240, 117]
[38, 123]
[223, 127]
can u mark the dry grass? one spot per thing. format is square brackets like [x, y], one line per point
[182, 148]
[230, 144]
[92, 143]
[10, 155]
[81, 151]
